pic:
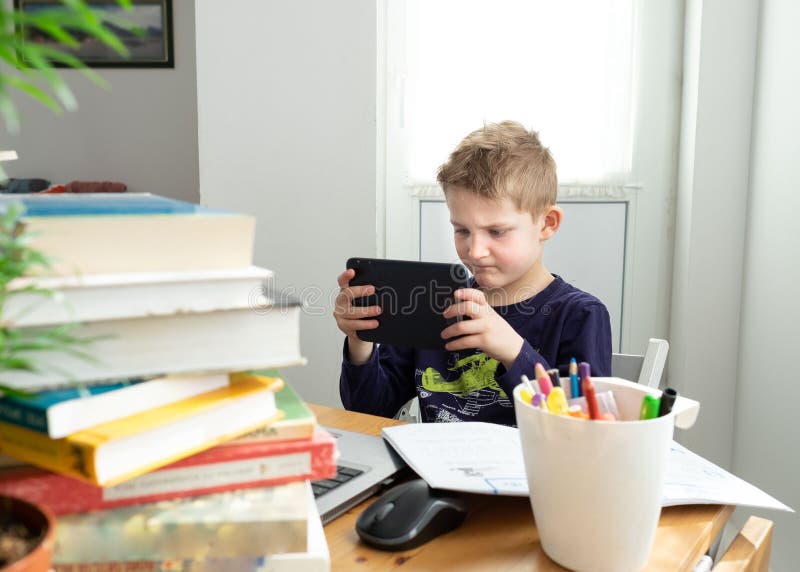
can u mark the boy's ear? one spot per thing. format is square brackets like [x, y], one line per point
[551, 220]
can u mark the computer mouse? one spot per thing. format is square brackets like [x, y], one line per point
[409, 515]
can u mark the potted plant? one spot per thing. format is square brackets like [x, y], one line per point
[27, 531]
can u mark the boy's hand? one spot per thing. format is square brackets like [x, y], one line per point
[349, 318]
[486, 330]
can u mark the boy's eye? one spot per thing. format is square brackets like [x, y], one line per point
[497, 232]
[462, 231]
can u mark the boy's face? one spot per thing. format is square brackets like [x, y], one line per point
[501, 245]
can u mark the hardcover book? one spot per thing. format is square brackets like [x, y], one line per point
[247, 523]
[119, 450]
[106, 233]
[238, 464]
[315, 557]
[298, 421]
[227, 340]
[94, 297]
[61, 412]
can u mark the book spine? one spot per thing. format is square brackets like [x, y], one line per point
[281, 431]
[172, 482]
[131, 566]
[24, 416]
[52, 454]
[240, 564]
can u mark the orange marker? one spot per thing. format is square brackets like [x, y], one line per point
[577, 412]
[591, 399]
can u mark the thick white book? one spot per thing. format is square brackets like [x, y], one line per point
[225, 340]
[244, 524]
[315, 557]
[84, 233]
[96, 297]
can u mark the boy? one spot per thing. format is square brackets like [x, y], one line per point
[500, 186]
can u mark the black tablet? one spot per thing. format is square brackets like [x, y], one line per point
[412, 295]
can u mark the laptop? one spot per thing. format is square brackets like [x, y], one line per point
[365, 466]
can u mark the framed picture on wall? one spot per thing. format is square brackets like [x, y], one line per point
[146, 30]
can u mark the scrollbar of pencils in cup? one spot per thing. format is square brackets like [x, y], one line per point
[546, 392]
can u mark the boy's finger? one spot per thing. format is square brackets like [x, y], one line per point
[468, 308]
[358, 312]
[461, 328]
[356, 325]
[344, 278]
[349, 294]
[470, 294]
[467, 342]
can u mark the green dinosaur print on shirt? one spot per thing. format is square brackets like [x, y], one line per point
[479, 375]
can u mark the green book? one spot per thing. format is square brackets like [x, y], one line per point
[298, 420]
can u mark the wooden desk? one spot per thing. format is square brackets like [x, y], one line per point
[499, 533]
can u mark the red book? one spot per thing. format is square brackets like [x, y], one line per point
[238, 464]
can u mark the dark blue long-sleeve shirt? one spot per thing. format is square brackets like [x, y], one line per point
[558, 323]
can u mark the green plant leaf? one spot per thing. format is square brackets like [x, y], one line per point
[14, 392]
[34, 92]
[69, 60]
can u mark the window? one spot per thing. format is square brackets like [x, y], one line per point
[563, 68]
[598, 79]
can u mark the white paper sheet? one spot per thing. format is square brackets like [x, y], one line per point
[485, 458]
[691, 479]
[482, 458]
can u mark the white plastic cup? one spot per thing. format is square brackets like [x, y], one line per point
[596, 486]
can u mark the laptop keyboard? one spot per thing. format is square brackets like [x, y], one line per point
[343, 474]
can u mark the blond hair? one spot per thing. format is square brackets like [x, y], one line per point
[503, 160]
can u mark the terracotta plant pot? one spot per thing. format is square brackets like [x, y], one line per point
[36, 518]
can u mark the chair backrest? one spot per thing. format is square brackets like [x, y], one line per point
[646, 369]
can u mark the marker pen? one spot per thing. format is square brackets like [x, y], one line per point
[555, 378]
[539, 400]
[668, 397]
[574, 380]
[591, 398]
[650, 405]
[531, 384]
[557, 401]
[527, 383]
[544, 380]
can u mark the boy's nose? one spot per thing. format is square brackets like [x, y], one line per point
[477, 248]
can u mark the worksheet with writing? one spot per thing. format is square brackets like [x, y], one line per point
[469, 457]
[485, 458]
[691, 479]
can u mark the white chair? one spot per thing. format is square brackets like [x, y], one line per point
[646, 369]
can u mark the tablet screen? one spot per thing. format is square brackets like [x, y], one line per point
[412, 296]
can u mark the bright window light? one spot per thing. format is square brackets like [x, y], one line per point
[560, 67]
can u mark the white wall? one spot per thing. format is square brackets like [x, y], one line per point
[142, 132]
[286, 118]
[719, 71]
[766, 447]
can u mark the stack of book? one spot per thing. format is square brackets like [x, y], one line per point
[175, 445]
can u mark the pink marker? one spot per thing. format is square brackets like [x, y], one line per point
[544, 380]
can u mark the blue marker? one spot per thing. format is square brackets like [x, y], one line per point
[574, 381]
